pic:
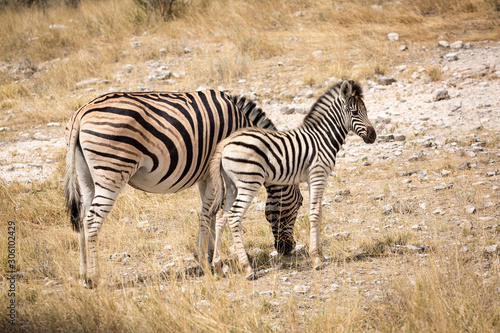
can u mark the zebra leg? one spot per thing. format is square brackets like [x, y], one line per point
[317, 183]
[221, 221]
[205, 241]
[282, 206]
[243, 200]
[102, 203]
[87, 188]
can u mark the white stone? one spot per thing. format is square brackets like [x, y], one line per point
[393, 36]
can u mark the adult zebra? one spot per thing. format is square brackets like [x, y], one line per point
[161, 143]
[250, 158]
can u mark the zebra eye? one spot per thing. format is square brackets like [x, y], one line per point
[354, 112]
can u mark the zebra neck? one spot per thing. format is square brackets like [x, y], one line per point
[325, 123]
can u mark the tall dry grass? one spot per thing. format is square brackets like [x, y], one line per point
[44, 53]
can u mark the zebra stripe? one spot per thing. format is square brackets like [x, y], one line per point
[162, 143]
[253, 157]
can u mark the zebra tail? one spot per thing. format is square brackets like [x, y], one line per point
[72, 191]
[218, 182]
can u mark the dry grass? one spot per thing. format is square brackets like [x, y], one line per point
[375, 280]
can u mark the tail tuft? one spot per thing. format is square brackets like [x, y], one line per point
[72, 191]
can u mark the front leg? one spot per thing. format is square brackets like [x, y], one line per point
[317, 181]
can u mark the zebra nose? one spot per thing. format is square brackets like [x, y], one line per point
[370, 136]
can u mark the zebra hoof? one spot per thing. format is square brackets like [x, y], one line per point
[249, 273]
[318, 263]
[90, 283]
[217, 266]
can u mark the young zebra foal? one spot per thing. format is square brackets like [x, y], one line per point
[250, 158]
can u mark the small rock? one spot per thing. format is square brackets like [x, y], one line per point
[343, 193]
[416, 227]
[135, 44]
[267, 293]
[416, 248]
[465, 166]
[470, 209]
[393, 36]
[453, 56]
[161, 73]
[491, 248]
[457, 45]
[403, 47]
[143, 224]
[445, 173]
[317, 53]
[40, 136]
[386, 80]
[388, 209]
[53, 124]
[438, 211]
[287, 110]
[385, 138]
[441, 95]
[58, 27]
[407, 173]
[466, 225]
[491, 173]
[423, 174]
[301, 289]
[443, 43]
[399, 137]
[464, 249]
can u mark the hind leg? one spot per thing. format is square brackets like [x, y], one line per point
[220, 225]
[86, 185]
[205, 241]
[245, 192]
[100, 207]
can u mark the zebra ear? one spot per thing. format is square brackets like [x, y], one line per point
[346, 90]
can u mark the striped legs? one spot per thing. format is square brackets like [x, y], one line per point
[317, 182]
[237, 202]
[101, 206]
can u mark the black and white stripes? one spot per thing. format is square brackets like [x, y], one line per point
[254, 157]
[161, 143]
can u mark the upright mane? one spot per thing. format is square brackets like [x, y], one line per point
[257, 117]
[332, 93]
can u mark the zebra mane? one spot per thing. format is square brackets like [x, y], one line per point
[257, 117]
[333, 92]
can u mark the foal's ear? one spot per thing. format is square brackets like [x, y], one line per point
[346, 90]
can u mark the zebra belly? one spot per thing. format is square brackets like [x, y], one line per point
[150, 182]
